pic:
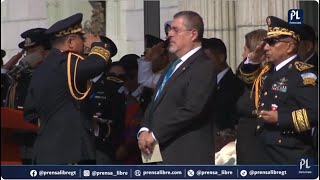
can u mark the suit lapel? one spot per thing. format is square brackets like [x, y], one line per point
[184, 66]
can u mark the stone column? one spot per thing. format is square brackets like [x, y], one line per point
[231, 20]
[252, 14]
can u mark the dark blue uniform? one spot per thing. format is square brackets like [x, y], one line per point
[108, 107]
[292, 91]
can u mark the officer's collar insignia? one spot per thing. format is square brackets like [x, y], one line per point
[309, 78]
[301, 66]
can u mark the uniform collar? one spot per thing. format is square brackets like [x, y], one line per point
[283, 63]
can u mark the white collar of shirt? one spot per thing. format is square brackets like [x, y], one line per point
[309, 57]
[279, 66]
[186, 56]
[221, 74]
[136, 93]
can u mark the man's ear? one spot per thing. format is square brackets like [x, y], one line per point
[195, 34]
[69, 43]
[292, 47]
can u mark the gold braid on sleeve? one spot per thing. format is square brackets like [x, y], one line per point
[257, 85]
[89, 84]
[100, 51]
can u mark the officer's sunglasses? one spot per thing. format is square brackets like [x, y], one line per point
[274, 41]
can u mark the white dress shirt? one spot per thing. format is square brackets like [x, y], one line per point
[183, 59]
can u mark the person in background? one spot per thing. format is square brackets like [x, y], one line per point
[179, 117]
[154, 60]
[228, 91]
[307, 45]
[107, 107]
[35, 46]
[57, 93]
[128, 151]
[247, 147]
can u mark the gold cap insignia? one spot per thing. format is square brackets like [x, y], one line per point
[268, 21]
[28, 42]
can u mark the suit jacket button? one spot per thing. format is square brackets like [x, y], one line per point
[275, 96]
[265, 93]
[258, 127]
[279, 141]
[262, 104]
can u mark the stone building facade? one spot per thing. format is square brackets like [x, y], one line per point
[228, 20]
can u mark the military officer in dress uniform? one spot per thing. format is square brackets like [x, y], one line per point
[285, 98]
[17, 79]
[57, 91]
[107, 106]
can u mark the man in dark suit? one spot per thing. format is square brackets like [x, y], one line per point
[229, 89]
[55, 98]
[307, 45]
[179, 117]
[285, 98]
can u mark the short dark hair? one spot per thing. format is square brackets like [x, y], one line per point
[193, 21]
[216, 45]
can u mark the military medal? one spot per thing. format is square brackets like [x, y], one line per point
[274, 107]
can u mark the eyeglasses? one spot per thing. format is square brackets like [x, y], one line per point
[177, 30]
[274, 41]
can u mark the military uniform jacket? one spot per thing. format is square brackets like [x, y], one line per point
[65, 134]
[293, 89]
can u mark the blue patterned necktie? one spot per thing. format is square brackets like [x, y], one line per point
[167, 76]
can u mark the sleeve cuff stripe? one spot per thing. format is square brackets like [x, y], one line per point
[300, 120]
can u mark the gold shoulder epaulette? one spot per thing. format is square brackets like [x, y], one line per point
[301, 66]
[100, 51]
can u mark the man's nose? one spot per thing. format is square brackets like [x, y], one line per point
[266, 47]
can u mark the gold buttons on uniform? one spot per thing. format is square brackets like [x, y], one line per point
[276, 96]
[265, 93]
[258, 127]
[262, 104]
[279, 141]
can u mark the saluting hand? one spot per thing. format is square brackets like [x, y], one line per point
[258, 55]
[90, 38]
[13, 60]
[269, 116]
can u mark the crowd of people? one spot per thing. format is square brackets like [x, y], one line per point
[180, 95]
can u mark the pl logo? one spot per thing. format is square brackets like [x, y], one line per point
[304, 163]
[295, 16]
[305, 166]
